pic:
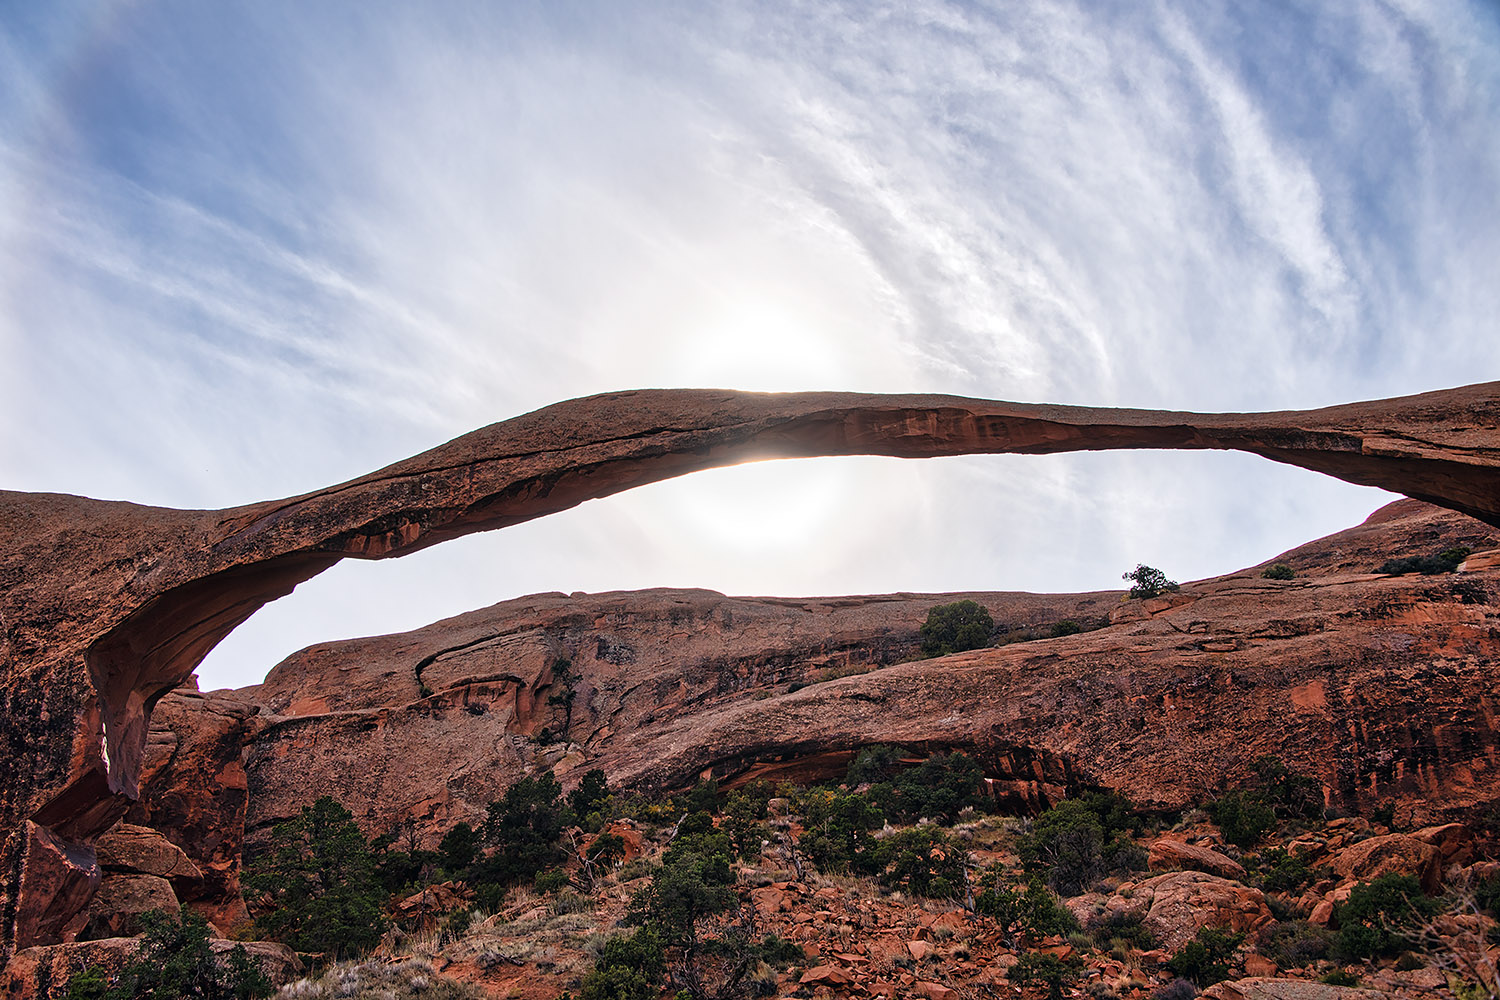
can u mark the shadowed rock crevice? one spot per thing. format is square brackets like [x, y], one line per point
[106, 605]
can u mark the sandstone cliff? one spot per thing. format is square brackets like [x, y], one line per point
[1382, 688]
[107, 606]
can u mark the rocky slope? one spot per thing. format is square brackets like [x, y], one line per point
[107, 606]
[1382, 688]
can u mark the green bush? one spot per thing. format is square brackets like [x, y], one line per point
[1290, 795]
[524, 827]
[744, 817]
[939, 788]
[953, 628]
[1148, 581]
[1445, 561]
[836, 833]
[629, 968]
[1487, 895]
[1118, 928]
[459, 848]
[175, 960]
[1294, 944]
[1285, 872]
[1047, 969]
[550, 880]
[1026, 909]
[586, 802]
[874, 764]
[1243, 817]
[1066, 627]
[923, 861]
[319, 876]
[1079, 841]
[1379, 917]
[1278, 571]
[1205, 959]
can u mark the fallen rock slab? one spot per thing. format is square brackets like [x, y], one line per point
[1287, 989]
[1168, 854]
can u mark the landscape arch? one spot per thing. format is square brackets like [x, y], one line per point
[106, 606]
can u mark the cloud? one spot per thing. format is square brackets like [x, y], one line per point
[250, 251]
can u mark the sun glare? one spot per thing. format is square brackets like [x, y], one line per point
[765, 346]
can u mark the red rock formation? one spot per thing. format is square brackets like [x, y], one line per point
[1379, 687]
[107, 606]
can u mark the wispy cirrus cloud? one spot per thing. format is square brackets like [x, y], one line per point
[246, 251]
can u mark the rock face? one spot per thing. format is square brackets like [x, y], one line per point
[1381, 688]
[107, 606]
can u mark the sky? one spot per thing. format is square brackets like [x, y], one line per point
[251, 249]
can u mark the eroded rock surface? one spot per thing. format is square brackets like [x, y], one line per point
[107, 606]
[1381, 688]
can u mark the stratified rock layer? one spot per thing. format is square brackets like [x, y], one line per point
[1380, 688]
[106, 606]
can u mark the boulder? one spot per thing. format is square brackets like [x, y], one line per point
[1396, 852]
[140, 850]
[1258, 988]
[1175, 906]
[1168, 854]
[1454, 842]
[116, 909]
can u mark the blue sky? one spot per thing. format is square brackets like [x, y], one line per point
[247, 250]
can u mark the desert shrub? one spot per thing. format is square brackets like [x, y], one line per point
[1278, 571]
[588, 802]
[1079, 841]
[458, 849]
[319, 878]
[695, 881]
[874, 764]
[412, 979]
[837, 830]
[953, 628]
[1379, 917]
[1246, 815]
[1284, 871]
[1025, 909]
[628, 968]
[1205, 959]
[923, 861]
[1296, 943]
[550, 880]
[1177, 989]
[1487, 895]
[744, 818]
[1117, 928]
[1065, 627]
[175, 960]
[1445, 561]
[1243, 817]
[703, 797]
[1048, 970]
[523, 826]
[91, 983]
[939, 788]
[692, 933]
[1290, 795]
[1148, 581]
[1339, 977]
[606, 850]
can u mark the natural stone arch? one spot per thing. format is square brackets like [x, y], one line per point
[107, 606]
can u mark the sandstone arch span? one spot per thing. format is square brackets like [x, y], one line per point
[108, 605]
